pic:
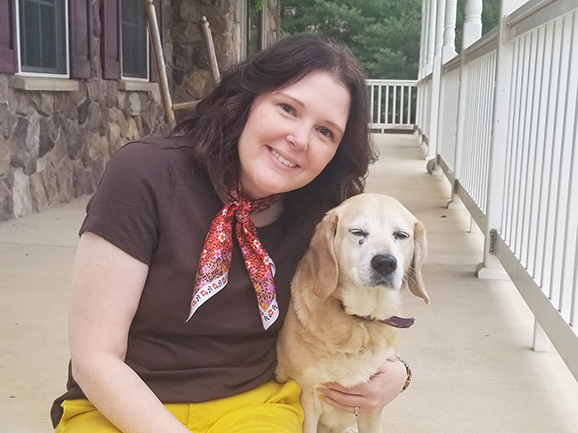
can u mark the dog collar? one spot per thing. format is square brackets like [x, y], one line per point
[395, 321]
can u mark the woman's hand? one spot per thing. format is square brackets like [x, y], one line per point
[372, 396]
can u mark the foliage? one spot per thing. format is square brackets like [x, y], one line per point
[383, 34]
[257, 5]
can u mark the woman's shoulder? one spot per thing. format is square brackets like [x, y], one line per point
[155, 147]
[150, 155]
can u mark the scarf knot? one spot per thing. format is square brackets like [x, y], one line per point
[213, 270]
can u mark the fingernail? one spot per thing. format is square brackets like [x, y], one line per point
[321, 398]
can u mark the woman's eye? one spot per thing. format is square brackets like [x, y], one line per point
[326, 132]
[400, 235]
[287, 108]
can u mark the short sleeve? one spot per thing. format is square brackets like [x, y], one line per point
[133, 200]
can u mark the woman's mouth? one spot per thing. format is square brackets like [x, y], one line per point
[282, 160]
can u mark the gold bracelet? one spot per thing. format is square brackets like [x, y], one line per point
[407, 370]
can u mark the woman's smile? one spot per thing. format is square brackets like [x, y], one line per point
[284, 161]
[292, 134]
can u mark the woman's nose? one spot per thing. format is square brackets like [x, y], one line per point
[299, 136]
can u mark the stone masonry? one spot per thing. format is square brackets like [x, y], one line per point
[54, 145]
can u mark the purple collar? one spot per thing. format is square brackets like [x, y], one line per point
[398, 322]
[395, 321]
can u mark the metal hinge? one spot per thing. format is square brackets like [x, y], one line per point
[493, 238]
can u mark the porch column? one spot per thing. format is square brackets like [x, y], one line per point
[422, 50]
[436, 84]
[491, 268]
[472, 31]
[431, 36]
[472, 22]
[449, 47]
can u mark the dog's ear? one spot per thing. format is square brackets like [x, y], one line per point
[414, 278]
[320, 262]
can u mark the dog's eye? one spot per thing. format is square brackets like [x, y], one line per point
[361, 234]
[400, 235]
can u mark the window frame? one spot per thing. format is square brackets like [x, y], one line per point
[245, 30]
[18, 46]
[147, 44]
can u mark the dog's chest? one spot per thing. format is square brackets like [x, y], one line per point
[348, 369]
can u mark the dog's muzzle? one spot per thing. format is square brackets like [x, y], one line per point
[384, 264]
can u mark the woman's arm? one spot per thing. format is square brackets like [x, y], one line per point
[372, 396]
[107, 284]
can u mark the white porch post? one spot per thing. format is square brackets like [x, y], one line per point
[421, 67]
[473, 32]
[472, 22]
[436, 83]
[449, 47]
[431, 36]
[420, 115]
[491, 268]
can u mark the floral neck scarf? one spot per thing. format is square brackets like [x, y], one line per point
[213, 269]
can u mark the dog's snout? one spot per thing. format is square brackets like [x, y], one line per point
[385, 264]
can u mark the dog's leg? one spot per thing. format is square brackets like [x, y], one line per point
[370, 423]
[310, 412]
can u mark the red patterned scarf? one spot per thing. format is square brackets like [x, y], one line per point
[213, 269]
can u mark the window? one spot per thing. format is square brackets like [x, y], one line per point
[134, 40]
[42, 36]
[252, 28]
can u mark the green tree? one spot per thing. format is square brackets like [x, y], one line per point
[383, 34]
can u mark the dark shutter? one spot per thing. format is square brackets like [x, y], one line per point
[110, 39]
[153, 69]
[7, 46]
[80, 35]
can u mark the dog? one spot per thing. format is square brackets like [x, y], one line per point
[345, 297]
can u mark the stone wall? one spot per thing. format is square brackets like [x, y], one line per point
[54, 145]
[190, 63]
[191, 74]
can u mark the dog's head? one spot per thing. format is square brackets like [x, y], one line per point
[364, 251]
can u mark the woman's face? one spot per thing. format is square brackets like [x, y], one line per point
[291, 134]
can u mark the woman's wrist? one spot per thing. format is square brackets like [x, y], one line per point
[407, 370]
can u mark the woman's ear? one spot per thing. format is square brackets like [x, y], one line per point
[319, 264]
[414, 277]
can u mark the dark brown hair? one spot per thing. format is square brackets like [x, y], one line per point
[216, 123]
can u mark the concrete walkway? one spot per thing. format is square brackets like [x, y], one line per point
[470, 349]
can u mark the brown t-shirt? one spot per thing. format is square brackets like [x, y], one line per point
[154, 203]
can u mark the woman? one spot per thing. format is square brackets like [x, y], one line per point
[164, 326]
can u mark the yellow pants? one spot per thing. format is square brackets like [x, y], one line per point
[270, 408]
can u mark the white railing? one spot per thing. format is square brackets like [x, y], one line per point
[424, 88]
[449, 102]
[507, 139]
[392, 103]
[479, 79]
[540, 203]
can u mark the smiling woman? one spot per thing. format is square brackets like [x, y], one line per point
[292, 134]
[184, 264]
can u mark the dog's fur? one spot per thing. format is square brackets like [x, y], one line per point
[338, 285]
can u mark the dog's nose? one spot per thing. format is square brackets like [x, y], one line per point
[385, 264]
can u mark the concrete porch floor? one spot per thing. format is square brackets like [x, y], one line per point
[470, 349]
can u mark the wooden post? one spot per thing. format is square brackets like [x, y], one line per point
[210, 49]
[160, 62]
